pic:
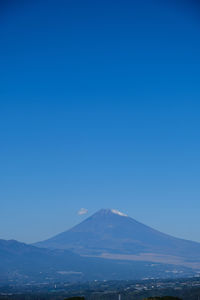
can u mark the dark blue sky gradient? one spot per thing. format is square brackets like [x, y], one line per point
[99, 108]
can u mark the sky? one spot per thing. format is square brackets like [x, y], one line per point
[99, 108]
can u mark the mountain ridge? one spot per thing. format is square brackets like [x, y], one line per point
[22, 263]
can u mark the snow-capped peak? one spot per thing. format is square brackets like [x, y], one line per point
[119, 213]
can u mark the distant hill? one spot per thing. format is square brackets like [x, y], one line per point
[21, 261]
[24, 264]
[112, 234]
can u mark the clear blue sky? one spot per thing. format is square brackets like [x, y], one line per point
[99, 108]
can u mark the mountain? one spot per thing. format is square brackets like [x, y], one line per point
[21, 263]
[112, 234]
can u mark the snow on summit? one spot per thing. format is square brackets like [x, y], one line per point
[117, 212]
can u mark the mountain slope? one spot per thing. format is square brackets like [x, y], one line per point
[24, 263]
[21, 261]
[109, 233]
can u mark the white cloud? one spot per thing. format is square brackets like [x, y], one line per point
[82, 211]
